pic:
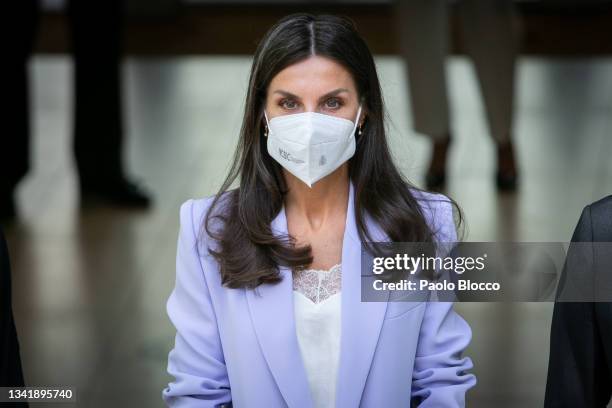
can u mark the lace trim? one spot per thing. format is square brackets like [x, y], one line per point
[318, 284]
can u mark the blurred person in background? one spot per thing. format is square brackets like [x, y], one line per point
[490, 37]
[96, 28]
[10, 363]
[580, 363]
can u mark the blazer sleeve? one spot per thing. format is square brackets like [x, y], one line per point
[440, 375]
[196, 362]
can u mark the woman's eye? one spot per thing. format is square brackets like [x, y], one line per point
[333, 103]
[288, 104]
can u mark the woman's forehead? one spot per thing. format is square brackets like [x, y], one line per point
[313, 76]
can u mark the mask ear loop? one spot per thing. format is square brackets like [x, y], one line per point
[267, 124]
[357, 121]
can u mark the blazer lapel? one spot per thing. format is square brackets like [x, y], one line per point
[272, 313]
[361, 321]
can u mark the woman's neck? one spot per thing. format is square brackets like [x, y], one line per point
[326, 199]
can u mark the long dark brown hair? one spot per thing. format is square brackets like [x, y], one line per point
[247, 251]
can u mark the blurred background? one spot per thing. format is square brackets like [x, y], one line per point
[90, 284]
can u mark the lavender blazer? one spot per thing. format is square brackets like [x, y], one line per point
[235, 345]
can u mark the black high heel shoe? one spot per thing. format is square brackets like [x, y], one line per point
[506, 176]
[435, 179]
[506, 182]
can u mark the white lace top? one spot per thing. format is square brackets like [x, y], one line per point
[316, 295]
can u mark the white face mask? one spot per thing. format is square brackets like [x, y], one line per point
[311, 145]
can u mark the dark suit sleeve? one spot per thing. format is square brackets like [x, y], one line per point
[577, 370]
[10, 363]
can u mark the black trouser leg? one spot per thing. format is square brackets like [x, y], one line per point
[96, 28]
[15, 140]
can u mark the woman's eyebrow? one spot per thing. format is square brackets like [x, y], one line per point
[327, 95]
[334, 93]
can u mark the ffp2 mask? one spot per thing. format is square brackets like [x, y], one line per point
[311, 145]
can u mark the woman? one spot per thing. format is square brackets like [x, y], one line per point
[267, 302]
